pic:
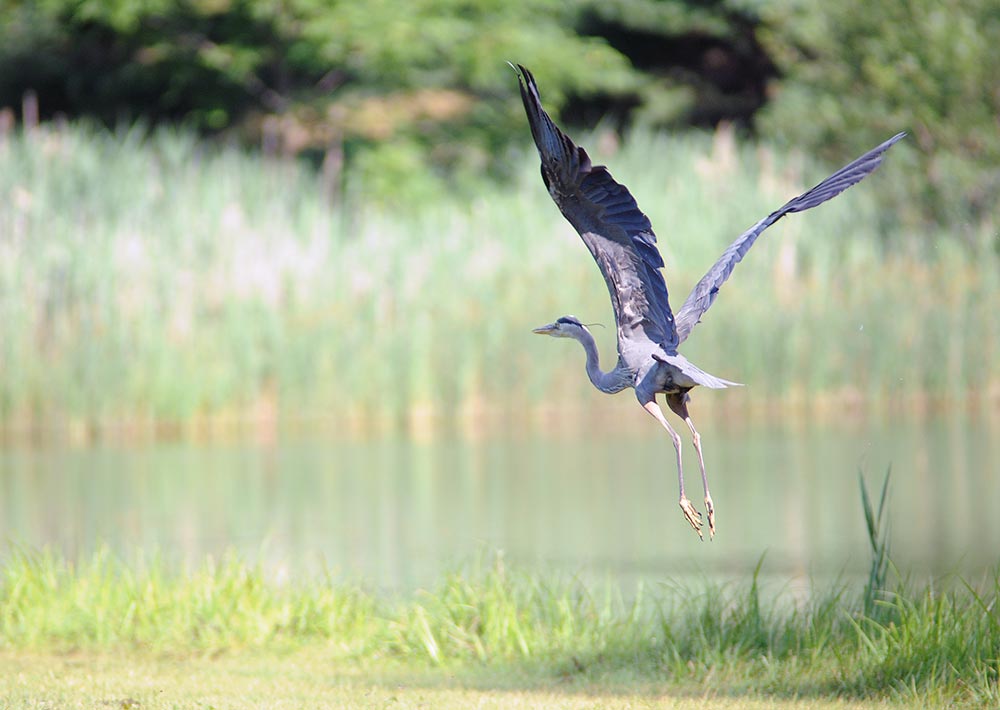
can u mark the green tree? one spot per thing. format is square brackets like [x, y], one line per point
[854, 73]
[396, 86]
[393, 89]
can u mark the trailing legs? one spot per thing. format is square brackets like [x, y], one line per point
[678, 404]
[690, 512]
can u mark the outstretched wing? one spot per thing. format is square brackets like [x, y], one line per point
[705, 291]
[609, 221]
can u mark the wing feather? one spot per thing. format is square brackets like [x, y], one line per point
[617, 233]
[704, 293]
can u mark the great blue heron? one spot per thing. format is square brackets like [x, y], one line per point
[622, 242]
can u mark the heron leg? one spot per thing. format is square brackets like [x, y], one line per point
[691, 514]
[678, 404]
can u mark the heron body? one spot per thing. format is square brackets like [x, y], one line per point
[622, 242]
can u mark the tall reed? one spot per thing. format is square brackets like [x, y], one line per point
[146, 277]
[877, 526]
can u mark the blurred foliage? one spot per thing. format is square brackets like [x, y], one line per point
[854, 73]
[415, 99]
[700, 62]
[379, 80]
[391, 88]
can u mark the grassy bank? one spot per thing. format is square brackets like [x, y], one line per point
[312, 678]
[916, 644]
[152, 279]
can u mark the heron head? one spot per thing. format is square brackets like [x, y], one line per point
[565, 327]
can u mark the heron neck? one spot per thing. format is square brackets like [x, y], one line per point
[614, 381]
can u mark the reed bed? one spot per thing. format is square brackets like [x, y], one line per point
[148, 279]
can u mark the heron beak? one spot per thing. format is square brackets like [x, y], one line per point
[545, 329]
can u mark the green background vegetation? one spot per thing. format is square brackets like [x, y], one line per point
[401, 88]
[326, 208]
[199, 283]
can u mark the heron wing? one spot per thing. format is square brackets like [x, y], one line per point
[609, 221]
[705, 291]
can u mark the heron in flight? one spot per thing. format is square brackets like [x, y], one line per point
[621, 240]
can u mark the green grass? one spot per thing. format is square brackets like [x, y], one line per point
[150, 280]
[311, 678]
[925, 644]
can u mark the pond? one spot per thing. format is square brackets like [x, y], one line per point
[396, 513]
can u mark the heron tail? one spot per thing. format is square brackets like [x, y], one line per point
[711, 381]
[694, 374]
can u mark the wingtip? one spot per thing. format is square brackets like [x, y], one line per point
[529, 91]
[893, 141]
[518, 68]
[524, 75]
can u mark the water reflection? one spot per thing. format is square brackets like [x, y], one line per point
[396, 512]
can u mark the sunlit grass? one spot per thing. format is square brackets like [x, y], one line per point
[150, 279]
[927, 643]
[312, 678]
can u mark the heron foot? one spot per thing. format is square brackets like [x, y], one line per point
[710, 509]
[692, 515]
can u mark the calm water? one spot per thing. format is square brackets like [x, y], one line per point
[395, 513]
